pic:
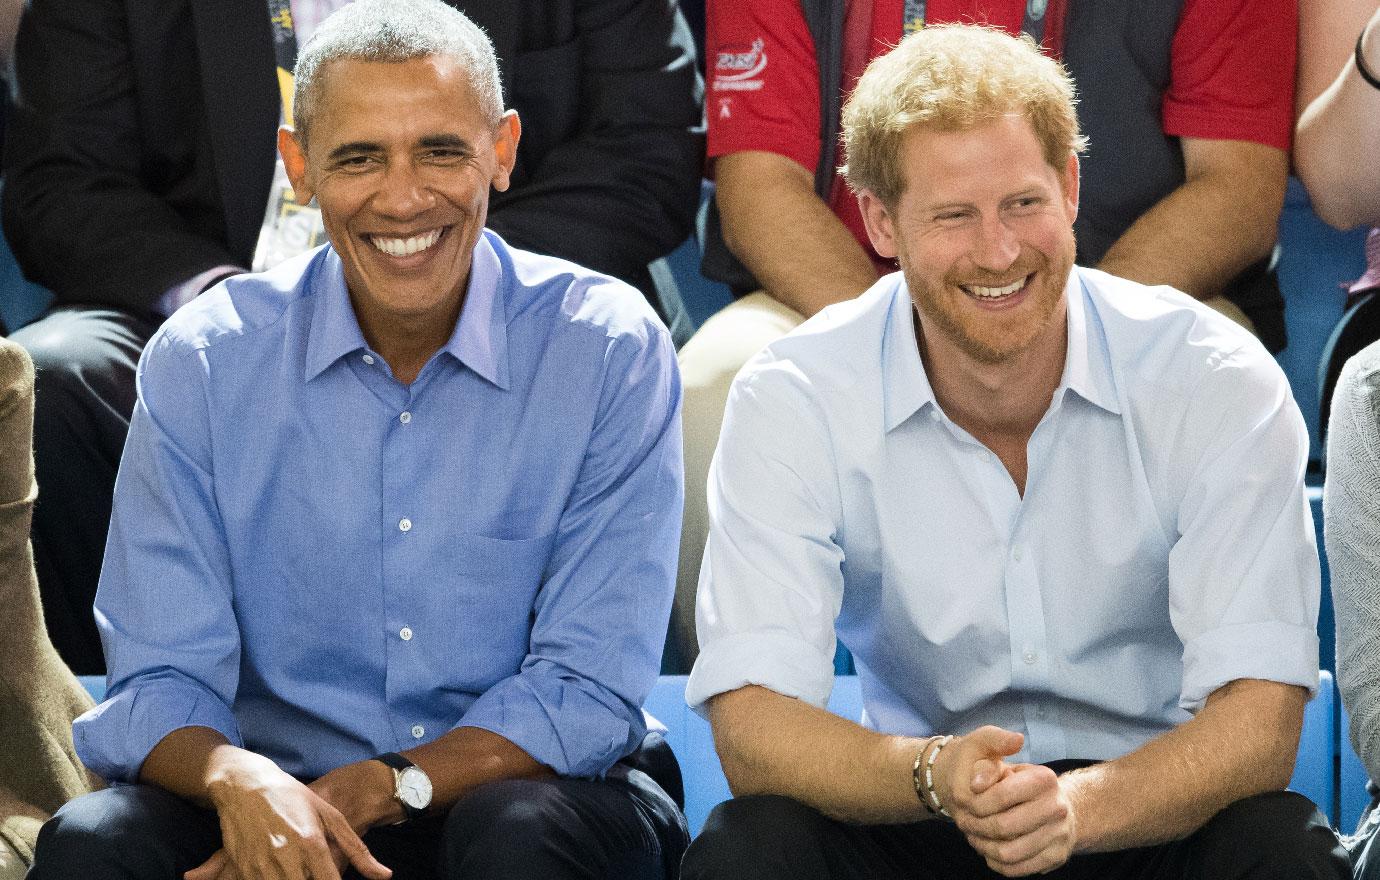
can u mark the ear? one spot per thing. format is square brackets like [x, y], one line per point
[1070, 182]
[881, 229]
[505, 148]
[295, 163]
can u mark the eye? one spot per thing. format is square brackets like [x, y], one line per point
[444, 155]
[1026, 204]
[360, 162]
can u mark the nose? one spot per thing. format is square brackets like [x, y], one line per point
[997, 246]
[402, 193]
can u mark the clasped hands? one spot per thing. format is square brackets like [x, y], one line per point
[1017, 816]
[274, 827]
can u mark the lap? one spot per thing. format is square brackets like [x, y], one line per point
[1276, 835]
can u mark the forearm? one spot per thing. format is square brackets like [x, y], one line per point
[1333, 149]
[773, 744]
[1242, 743]
[776, 225]
[191, 761]
[1204, 233]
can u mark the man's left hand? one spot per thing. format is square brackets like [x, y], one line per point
[1024, 823]
[362, 792]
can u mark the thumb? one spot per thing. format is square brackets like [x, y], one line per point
[994, 742]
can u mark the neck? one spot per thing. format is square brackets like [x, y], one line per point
[407, 342]
[998, 403]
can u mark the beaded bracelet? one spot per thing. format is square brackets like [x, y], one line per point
[925, 790]
[916, 776]
[1361, 63]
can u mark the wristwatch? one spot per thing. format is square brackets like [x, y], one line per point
[411, 785]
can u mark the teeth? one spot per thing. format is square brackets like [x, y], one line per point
[402, 247]
[995, 292]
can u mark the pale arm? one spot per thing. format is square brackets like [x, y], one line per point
[1219, 221]
[777, 226]
[1337, 133]
[1241, 743]
[773, 744]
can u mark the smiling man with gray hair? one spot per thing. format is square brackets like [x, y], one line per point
[395, 527]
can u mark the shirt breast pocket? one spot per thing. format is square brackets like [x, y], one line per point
[489, 608]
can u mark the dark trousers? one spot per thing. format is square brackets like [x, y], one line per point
[84, 393]
[623, 827]
[1279, 836]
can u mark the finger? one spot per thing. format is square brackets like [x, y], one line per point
[320, 863]
[986, 773]
[1027, 783]
[1019, 821]
[209, 869]
[350, 844]
[1047, 860]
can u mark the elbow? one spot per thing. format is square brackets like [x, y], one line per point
[1333, 198]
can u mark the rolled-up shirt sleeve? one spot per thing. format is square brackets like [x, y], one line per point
[1244, 577]
[600, 615]
[163, 606]
[771, 584]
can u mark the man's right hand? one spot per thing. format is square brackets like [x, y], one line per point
[275, 828]
[1016, 816]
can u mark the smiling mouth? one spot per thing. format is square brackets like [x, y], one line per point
[405, 247]
[995, 294]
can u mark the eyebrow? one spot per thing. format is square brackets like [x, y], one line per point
[431, 142]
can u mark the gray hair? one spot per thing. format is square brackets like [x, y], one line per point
[396, 31]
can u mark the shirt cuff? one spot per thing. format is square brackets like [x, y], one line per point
[559, 722]
[1228, 653]
[179, 295]
[780, 662]
[114, 738]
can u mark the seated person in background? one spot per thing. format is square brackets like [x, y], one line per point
[1339, 126]
[140, 161]
[1015, 491]
[39, 770]
[394, 534]
[1351, 518]
[1183, 186]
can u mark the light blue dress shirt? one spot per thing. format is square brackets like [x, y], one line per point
[1163, 547]
[324, 564]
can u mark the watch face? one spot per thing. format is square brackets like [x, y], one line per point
[414, 788]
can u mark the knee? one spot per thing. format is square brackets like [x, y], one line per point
[1283, 833]
[82, 839]
[756, 836]
[506, 815]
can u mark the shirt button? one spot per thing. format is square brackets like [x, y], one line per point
[405, 417]
[1016, 553]
[405, 634]
[1029, 657]
[405, 524]
[418, 731]
[369, 359]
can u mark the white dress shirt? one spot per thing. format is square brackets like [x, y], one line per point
[1164, 545]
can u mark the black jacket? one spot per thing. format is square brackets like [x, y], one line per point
[141, 147]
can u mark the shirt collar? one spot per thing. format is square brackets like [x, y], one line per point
[479, 340]
[905, 386]
[1088, 363]
[907, 389]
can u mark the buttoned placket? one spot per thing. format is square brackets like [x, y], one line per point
[403, 538]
